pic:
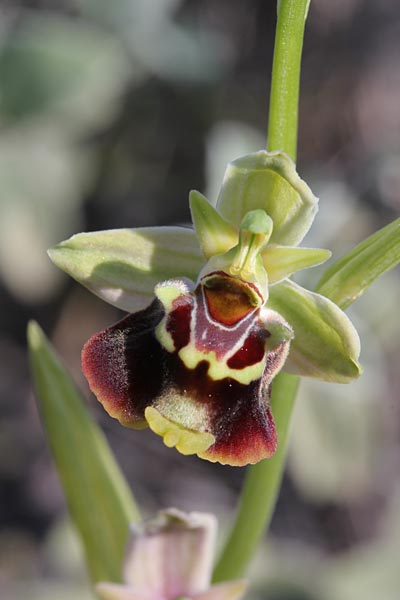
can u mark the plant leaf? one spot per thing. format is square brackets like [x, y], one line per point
[350, 276]
[281, 261]
[268, 181]
[215, 235]
[122, 266]
[97, 494]
[326, 344]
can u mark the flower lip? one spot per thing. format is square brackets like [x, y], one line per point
[229, 299]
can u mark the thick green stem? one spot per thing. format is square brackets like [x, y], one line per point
[284, 97]
[263, 480]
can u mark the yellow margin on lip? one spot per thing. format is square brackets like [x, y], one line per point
[174, 435]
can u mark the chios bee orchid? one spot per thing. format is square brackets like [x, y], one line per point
[214, 314]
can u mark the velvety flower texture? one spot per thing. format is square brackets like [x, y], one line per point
[197, 365]
[215, 315]
[169, 557]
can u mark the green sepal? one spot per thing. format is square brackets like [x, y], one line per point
[282, 261]
[268, 181]
[98, 497]
[122, 266]
[326, 344]
[215, 234]
[350, 276]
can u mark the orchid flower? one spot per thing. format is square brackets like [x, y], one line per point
[215, 315]
[169, 557]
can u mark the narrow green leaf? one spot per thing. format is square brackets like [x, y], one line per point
[349, 277]
[97, 494]
[215, 235]
[268, 181]
[122, 266]
[326, 344]
[282, 261]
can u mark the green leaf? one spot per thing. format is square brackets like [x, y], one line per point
[98, 497]
[122, 266]
[281, 261]
[349, 277]
[326, 344]
[268, 181]
[215, 235]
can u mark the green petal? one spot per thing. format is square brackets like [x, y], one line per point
[281, 261]
[122, 266]
[347, 279]
[268, 181]
[215, 235]
[326, 344]
[98, 497]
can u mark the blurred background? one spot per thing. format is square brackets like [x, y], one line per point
[110, 112]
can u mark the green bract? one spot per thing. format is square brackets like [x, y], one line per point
[263, 211]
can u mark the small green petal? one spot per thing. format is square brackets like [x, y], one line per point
[268, 181]
[282, 261]
[122, 266]
[215, 235]
[349, 277]
[326, 344]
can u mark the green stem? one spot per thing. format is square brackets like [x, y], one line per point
[260, 490]
[263, 480]
[284, 97]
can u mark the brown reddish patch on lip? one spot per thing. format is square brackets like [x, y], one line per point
[252, 351]
[239, 415]
[129, 369]
[229, 300]
[178, 322]
[122, 365]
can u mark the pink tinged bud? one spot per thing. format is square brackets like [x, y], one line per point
[170, 557]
